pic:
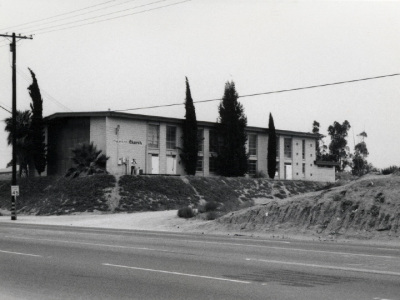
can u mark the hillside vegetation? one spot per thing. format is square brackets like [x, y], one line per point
[103, 193]
[366, 208]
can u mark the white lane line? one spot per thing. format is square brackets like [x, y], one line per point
[19, 253]
[298, 249]
[92, 244]
[388, 249]
[177, 273]
[326, 267]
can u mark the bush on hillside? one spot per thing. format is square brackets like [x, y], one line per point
[186, 212]
[389, 170]
[211, 215]
[211, 206]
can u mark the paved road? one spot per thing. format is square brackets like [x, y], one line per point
[55, 262]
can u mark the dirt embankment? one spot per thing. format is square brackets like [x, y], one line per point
[366, 208]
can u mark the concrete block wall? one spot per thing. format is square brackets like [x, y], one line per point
[262, 153]
[323, 174]
[128, 141]
[310, 158]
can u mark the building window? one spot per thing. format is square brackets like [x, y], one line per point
[304, 168]
[303, 149]
[171, 137]
[277, 169]
[199, 167]
[212, 164]
[200, 139]
[153, 136]
[277, 147]
[252, 167]
[288, 148]
[213, 142]
[252, 144]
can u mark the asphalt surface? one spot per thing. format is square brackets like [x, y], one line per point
[56, 262]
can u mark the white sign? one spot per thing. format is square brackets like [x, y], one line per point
[15, 190]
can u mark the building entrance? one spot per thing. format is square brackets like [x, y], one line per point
[171, 164]
[155, 164]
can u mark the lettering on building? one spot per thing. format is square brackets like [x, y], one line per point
[132, 142]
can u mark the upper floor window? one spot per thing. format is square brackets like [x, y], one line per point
[303, 149]
[200, 139]
[171, 137]
[252, 144]
[213, 141]
[153, 136]
[277, 147]
[288, 148]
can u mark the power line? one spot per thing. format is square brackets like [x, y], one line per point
[5, 109]
[117, 17]
[66, 13]
[48, 96]
[267, 93]
[82, 14]
[99, 16]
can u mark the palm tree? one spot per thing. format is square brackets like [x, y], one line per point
[88, 161]
[23, 139]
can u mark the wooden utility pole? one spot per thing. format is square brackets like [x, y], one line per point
[14, 187]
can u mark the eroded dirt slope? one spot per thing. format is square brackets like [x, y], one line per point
[366, 208]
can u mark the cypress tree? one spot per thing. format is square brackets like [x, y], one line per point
[271, 156]
[37, 126]
[190, 143]
[232, 158]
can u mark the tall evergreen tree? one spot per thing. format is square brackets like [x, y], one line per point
[338, 147]
[359, 160]
[190, 142]
[271, 156]
[318, 144]
[232, 158]
[37, 126]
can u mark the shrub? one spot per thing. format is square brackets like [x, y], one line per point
[211, 206]
[186, 212]
[389, 170]
[212, 215]
[260, 174]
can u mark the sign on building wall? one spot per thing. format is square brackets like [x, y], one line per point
[132, 142]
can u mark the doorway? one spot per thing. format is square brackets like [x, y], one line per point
[288, 171]
[171, 164]
[155, 164]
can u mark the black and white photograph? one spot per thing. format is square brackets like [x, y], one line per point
[200, 149]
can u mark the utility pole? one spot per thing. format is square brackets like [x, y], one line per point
[14, 187]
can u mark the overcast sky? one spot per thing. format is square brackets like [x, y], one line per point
[142, 59]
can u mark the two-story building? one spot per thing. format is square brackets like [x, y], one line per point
[150, 145]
